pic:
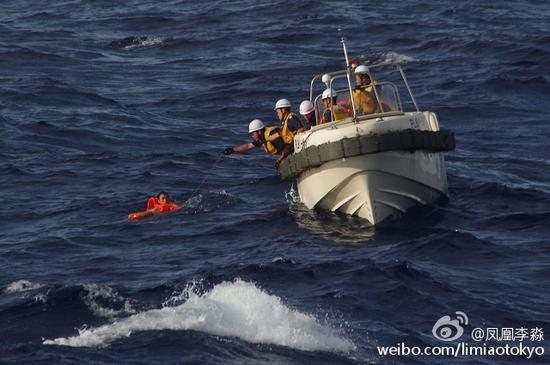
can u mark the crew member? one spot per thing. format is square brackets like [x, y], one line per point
[290, 122]
[307, 111]
[363, 94]
[333, 111]
[270, 139]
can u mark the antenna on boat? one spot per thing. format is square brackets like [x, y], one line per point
[348, 74]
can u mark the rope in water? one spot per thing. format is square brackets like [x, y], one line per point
[207, 175]
[205, 178]
[149, 213]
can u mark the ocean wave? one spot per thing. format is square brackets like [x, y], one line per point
[45, 91]
[105, 301]
[506, 81]
[394, 57]
[518, 221]
[21, 286]
[133, 42]
[232, 309]
[36, 292]
[28, 57]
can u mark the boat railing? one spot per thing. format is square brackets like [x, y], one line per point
[385, 90]
[385, 71]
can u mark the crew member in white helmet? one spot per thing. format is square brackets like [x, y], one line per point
[290, 122]
[269, 138]
[363, 94]
[307, 111]
[333, 111]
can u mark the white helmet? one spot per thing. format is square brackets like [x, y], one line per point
[282, 103]
[361, 69]
[255, 125]
[328, 93]
[306, 107]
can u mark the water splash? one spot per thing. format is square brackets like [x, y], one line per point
[233, 309]
[133, 42]
[209, 201]
[21, 286]
[387, 57]
[398, 58]
[292, 196]
[105, 301]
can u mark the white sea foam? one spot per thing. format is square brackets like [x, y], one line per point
[292, 195]
[102, 300]
[21, 286]
[145, 42]
[41, 298]
[398, 58]
[233, 309]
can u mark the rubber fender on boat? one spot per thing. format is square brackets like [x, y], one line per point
[314, 157]
[352, 146]
[406, 140]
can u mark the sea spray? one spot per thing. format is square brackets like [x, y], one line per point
[105, 301]
[233, 309]
[21, 286]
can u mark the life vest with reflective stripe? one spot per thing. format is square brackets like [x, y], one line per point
[286, 134]
[270, 135]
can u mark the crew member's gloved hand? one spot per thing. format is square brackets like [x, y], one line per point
[277, 163]
[228, 151]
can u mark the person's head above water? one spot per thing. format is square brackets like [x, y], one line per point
[163, 197]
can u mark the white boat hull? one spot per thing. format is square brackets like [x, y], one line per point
[375, 186]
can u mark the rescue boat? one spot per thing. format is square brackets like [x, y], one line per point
[374, 165]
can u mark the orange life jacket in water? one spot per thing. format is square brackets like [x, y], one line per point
[153, 203]
[153, 207]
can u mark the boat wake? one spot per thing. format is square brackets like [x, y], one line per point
[233, 309]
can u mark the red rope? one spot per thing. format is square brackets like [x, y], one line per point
[206, 176]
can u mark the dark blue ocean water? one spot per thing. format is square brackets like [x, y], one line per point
[104, 103]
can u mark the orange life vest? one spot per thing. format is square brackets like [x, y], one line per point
[365, 99]
[153, 207]
[153, 203]
[337, 111]
[286, 134]
[270, 135]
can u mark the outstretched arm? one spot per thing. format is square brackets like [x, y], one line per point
[242, 148]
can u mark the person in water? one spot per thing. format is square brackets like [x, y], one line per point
[268, 138]
[161, 203]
